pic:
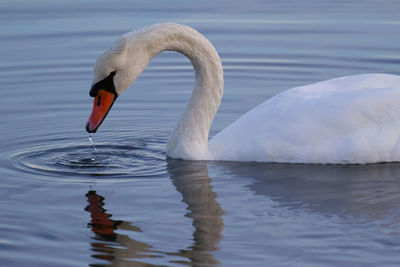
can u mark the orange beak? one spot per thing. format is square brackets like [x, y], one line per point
[101, 106]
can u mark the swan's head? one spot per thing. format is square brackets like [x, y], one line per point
[113, 73]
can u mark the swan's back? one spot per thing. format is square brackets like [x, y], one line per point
[353, 119]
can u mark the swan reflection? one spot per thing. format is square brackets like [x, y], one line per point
[104, 229]
[368, 192]
[192, 181]
[360, 193]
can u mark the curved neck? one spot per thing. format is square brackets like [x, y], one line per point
[189, 139]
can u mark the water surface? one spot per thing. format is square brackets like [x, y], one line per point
[64, 204]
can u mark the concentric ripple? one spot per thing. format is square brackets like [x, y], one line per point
[77, 162]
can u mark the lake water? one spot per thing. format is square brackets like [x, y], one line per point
[131, 206]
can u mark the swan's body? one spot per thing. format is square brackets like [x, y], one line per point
[353, 119]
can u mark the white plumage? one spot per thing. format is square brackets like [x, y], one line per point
[354, 119]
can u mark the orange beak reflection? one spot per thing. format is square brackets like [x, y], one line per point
[101, 106]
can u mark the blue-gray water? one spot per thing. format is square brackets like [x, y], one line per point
[131, 206]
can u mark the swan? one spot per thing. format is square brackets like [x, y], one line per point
[347, 120]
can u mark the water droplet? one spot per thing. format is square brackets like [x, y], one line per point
[93, 153]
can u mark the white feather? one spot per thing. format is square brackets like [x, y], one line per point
[352, 119]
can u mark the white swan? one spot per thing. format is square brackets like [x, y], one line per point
[353, 119]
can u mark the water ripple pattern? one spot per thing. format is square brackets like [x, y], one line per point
[78, 162]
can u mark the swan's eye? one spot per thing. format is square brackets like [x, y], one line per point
[106, 84]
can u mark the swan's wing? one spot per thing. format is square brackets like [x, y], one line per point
[353, 119]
